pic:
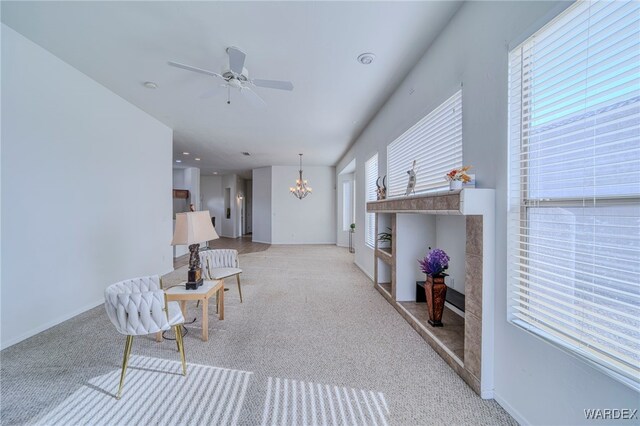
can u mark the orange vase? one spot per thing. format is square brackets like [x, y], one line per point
[436, 291]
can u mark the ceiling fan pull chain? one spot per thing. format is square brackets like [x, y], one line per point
[228, 95]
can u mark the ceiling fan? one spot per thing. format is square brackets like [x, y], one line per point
[236, 76]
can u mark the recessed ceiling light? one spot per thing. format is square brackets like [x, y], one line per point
[197, 159]
[215, 173]
[178, 161]
[366, 58]
[246, 154]
[185, 153]
[150, 85]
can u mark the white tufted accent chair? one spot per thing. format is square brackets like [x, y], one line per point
[220, 264]
[138, 307]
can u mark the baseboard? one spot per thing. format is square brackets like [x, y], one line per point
[509, 409]
[50, 324]
[323, 243]
[262, 242]
[363, 270]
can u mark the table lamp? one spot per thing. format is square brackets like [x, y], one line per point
[193, 228]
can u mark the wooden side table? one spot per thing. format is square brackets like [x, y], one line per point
[180, 294]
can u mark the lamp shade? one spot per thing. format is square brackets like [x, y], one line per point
[193, 228]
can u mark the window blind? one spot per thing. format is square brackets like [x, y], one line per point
[574, 201]
[435, 143]
[371, 175]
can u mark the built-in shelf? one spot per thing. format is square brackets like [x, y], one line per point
[418, 222]
[385, 255]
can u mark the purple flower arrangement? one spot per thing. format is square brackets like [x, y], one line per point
[435, 263]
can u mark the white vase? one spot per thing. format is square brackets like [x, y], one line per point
[455, 185]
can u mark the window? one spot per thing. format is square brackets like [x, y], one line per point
[371, 175]
[435, 143]
[574, 202]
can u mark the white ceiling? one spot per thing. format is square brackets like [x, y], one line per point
[313, 44]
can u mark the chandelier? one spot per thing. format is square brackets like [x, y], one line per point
[301, 189]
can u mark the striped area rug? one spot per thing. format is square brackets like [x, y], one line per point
[156, 392]
[293, 402]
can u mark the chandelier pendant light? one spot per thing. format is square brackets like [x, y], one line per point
[302, 188]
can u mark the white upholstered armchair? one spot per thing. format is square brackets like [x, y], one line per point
[220, 264]
[138, 307]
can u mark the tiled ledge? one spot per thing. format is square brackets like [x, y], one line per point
[442, 202]
[468, 201]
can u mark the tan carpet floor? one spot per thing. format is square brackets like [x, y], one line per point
[313, 343]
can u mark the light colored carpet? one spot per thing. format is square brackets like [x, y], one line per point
[313, 343]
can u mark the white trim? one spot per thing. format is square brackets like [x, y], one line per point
[454, 309]
[333, 243]
[50, 324]
[355, 262]
[262, 242]
[509, 408]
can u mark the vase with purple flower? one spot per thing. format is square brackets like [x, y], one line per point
[434, 265]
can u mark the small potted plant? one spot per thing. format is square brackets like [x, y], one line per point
[457, 177]
[434, 265]
[352, 227]
[385, 238]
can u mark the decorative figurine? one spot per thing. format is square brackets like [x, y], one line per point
[381, 192]
[411, 185]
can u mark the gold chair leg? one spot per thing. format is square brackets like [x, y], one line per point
[125, 361]
[178, 329]
[239, 289]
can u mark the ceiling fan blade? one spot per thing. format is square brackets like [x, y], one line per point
[273, 84]
[236, 59]
[253, 98]
[194, 69]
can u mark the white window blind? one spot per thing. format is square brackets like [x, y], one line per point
[574, 203]
[435, 143]
[371, 175]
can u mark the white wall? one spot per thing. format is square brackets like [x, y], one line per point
[86, 184]
[261, 211]
[213, 198]
[451, 236]
[311, 220]
[536, 382]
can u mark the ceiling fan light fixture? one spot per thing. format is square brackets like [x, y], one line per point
[366, 58]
